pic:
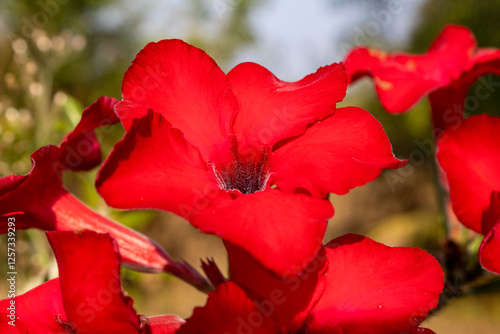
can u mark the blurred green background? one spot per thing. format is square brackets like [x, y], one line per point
[58, 56]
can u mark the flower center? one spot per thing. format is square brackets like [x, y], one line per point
[247, 173]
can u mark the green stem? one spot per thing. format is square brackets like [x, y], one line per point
[441, 196]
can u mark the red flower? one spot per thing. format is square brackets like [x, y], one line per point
[450, 66]
[87, 296]
[470, 156]
[245, 156]
[355, 285]
[38, 199]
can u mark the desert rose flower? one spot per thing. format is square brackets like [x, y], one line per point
[245, 156]
[445, 73]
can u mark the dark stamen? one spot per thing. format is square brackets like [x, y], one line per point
[247, 174]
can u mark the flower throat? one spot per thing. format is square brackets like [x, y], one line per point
[245, 173]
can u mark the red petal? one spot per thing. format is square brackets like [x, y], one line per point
[137, 251]
[490, 247]
[80, 149]
[492, 214]
[489, 250]
[228, 310]
[289, 299]
[282, 231]
[448, 103]
[486, 60]
[401, 80]
[9, 183]
[154, 167]
[447, 106]
[271, 110]
[89, 272]
[373, 288]
[186, 86]
[470, 156]
[348, 149]
[457, 41]
[45, 204]
[165, 324]
[35, 311]
[33, 194]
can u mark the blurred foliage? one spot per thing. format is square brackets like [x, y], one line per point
[480, 16]
[364, 3]
[231, 32]
[56, 57]
[84, 54]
